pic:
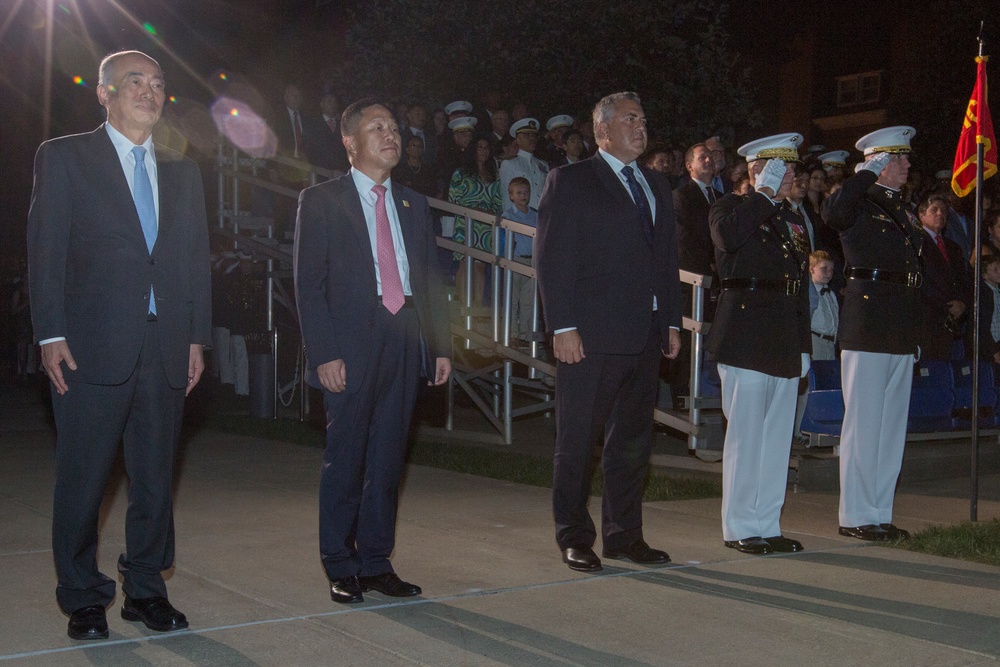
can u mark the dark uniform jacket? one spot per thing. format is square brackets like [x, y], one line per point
[877, 316]
[760, 329]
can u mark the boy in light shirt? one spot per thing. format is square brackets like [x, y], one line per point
[823, 306]
[522, 295]
[825, 312]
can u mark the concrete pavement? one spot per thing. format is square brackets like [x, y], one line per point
[495, 591]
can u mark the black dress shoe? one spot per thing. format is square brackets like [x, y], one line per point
[88, 623]
[346, 590]
[894, 532]
[581, 559]
[868, 532]
[155, 613]
[755, 546]
[389, 584]
[783, 544]
[638, 552]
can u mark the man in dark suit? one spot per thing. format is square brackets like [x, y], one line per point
[692, 201]
[761, 340]
[879, 331]
[323, 144]
[691, 204]
[946, 290]
[370, 298]
[607, 269]
[120, 301]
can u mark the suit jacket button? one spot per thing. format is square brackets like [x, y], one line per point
[152, 262]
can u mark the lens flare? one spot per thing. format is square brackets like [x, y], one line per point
[240, 124]
[148, 27]
[78, 80]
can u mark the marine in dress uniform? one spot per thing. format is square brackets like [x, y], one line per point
[879, 331]
[760, 339]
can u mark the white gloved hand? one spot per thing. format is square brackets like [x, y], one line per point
[876, 162]
[805, 364]
[771, 176]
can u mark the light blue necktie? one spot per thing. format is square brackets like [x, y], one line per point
[142, 193]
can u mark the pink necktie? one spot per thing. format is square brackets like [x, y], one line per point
[392, 286]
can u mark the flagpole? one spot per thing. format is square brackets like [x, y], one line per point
[974, 466]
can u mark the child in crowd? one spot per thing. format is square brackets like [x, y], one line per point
[823, 306]
[825, 313]
[522, 287]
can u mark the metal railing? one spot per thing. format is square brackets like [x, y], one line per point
[503, 380]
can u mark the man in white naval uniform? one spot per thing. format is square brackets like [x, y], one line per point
[525, 133]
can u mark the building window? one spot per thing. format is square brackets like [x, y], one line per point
[857, 89]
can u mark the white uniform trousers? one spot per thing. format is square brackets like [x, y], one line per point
[876, 404]
[761, 413]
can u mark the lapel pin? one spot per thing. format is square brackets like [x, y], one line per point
[406, 204]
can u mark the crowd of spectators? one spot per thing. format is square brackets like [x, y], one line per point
[468, 153]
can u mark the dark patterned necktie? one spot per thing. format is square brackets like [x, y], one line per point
[641, 203]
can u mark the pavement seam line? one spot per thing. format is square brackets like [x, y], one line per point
[408, 603]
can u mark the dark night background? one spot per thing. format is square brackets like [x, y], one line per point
[739, 69]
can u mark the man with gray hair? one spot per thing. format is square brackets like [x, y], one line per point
[607, 269]
[121, 306]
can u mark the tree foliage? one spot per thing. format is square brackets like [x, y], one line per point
[559, 56]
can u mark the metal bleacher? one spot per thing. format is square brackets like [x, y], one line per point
[504, 379]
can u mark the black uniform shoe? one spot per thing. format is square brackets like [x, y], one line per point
[755, 546]
[783, 544]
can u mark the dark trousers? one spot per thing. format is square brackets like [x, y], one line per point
[609, 396]
[366, 437]
[91, 420]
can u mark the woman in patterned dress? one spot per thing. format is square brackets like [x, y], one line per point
[475, 184]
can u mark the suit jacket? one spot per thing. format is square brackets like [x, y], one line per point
[955, 231]
[759, 329]
[943, 281]
[91, 270]
[876, 233]
[335, 286]
[596, 270]
[694, 240]
[324, 147]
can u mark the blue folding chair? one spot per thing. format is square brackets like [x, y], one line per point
[825, 400]
[932, 397]
[962, 410]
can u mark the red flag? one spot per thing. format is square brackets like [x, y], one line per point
[977, 128]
